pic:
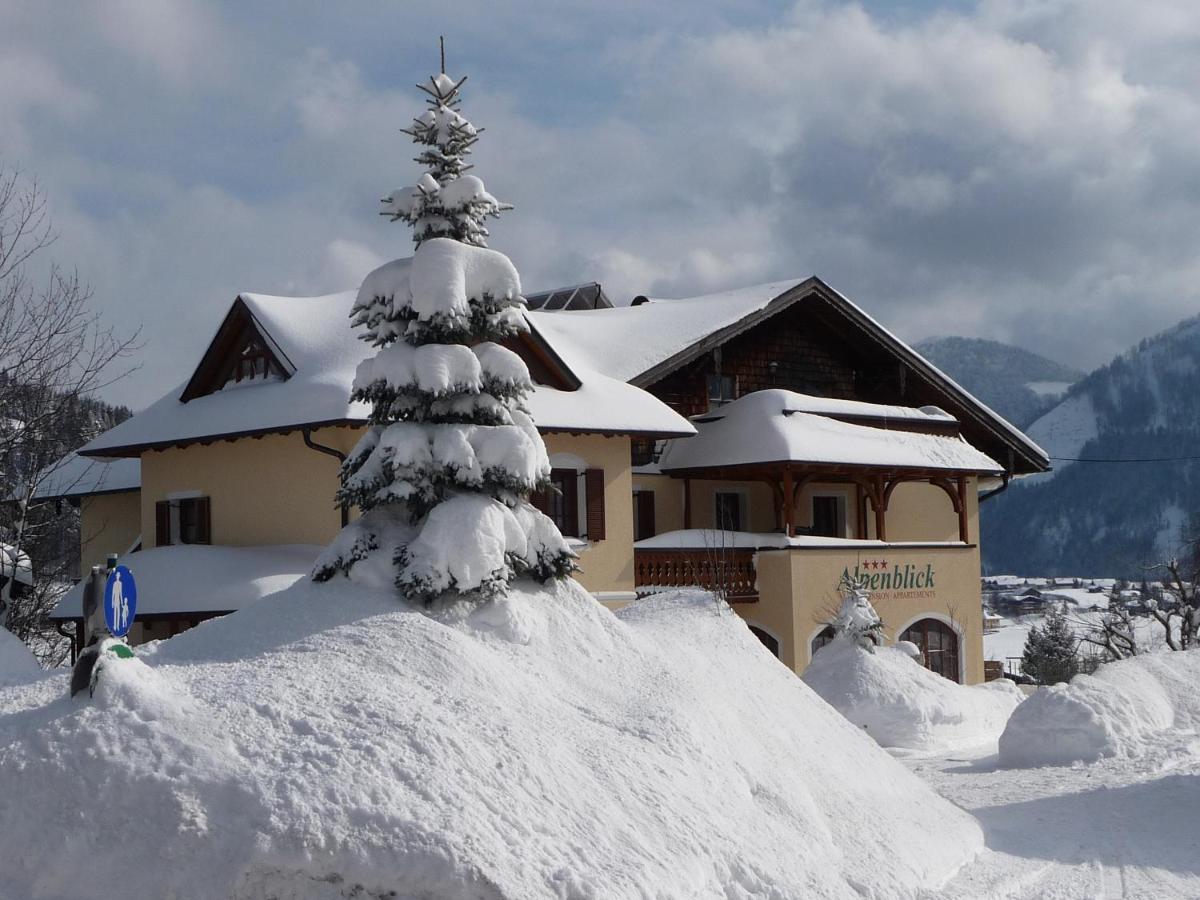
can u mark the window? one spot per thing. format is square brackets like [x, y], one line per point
[183, 521]
[562, 503]
[643, 515]
[253, 363]
[721, 390]
[939, 646]
[729, 511]
[829, 515]
[824, 636]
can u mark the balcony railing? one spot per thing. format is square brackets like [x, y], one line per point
[726, 571]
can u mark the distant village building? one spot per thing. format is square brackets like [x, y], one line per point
[763, 443]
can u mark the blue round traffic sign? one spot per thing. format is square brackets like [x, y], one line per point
[120, 601]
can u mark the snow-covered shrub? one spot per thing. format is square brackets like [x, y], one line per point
[443, 473]
[1122, 710]
[902, 704]
[856, 619]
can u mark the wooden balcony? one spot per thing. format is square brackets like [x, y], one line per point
[725, 571]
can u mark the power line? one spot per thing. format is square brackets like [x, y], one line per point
[1144, 459]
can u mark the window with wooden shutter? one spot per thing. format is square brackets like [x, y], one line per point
[561, 502]
[593, 485]
[184, 521]
[203, 520]
[643, 515]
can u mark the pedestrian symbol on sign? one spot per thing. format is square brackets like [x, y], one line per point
[120, 601]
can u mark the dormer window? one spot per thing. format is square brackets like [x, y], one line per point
[254, 363]
[242, 353]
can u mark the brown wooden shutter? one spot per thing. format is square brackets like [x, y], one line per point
[643, 511]
[203, 521]
[541, 501]
[162, 523]
[593, 483]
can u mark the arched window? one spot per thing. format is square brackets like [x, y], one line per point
[938, 643]
[824, 636]
[769, 642]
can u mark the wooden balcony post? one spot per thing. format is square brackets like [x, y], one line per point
[879, 501]
[963, 530]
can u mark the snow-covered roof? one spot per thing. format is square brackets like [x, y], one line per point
[782, 433]
[882, 412]
[315, 337]
[716, 540]
[24, 573]
[79, 476]
[636, 343]
[198, 578]
[626, 341]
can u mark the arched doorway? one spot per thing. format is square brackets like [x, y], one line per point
[939, 645]
[823, 637]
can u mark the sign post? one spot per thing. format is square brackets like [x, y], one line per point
[109, 605]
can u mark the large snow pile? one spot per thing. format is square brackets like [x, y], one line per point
[16, 660]
[902, 704]
[1123, 710]
[328, 742]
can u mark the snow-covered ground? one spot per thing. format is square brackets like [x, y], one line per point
[1115, 828]
[328, 742]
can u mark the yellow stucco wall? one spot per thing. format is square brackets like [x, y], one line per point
[605, 566]
[774, 613]
[917, 511]
[108, 523]
[275, 490]
[668, 500]
[804, 586]
[269, 490]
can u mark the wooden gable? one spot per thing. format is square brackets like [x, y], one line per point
[813, 341]
[545, 366]
[242, 350]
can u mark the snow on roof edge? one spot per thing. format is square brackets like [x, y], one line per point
[1006, 425]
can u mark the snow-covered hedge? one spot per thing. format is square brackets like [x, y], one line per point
[328, 742]
[902, 704]
[1123, 710]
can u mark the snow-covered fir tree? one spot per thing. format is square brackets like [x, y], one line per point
[856, 618]
[1051, 650]
[443, 473]
[445, 201]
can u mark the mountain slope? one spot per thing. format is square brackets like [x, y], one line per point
[1016, 383]
[1110, 518]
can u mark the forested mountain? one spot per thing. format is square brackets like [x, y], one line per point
[1140, 414]
[1016, 383]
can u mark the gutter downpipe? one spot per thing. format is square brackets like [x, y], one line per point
[329, 451]
[72, 636]
[1005, 479]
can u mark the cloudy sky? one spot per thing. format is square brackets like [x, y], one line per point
[1027, 170]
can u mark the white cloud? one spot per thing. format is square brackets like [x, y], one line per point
[1019, 169]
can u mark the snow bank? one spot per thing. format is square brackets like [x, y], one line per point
[326, 742]
[1122, 710]
[16, 660]
[902, 704]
